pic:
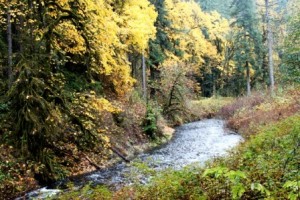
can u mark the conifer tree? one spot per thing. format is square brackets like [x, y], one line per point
[247, 41]
[161, 44]
[221, 6]
[291, 54]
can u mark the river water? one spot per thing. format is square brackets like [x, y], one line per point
[193, 143]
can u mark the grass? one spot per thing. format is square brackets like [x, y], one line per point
[208, 107]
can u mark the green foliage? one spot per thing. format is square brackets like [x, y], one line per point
[3, 174]
[36, 117]
[176, 88]
[162, 42]
[294, 188]
[150, 122]
[223, 7]
[290, 68]
[79, 83]
[4, 107]
[87, 192]
[171, 184]
[270, 159]
[291, 56]
[248, 48]
[260, 188]
[234, 177]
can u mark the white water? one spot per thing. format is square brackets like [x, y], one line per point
[193, 143]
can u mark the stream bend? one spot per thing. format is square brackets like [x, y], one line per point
[193, 143]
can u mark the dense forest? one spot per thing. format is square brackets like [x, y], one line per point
[84, 81]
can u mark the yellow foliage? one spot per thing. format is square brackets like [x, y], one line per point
[137, 25]
[90, 108]
[104, 104]
[188, 25]
[112, 35]
[70, 39]
[90, 103]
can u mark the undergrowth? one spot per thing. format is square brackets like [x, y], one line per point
[265, 167]
[208, 107]
[247, 114]
[88, 192]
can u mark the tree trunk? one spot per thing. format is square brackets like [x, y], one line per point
[270, 47]
[9, 44]
[144, 78]
[248, 79]
[154, 76]
[214, 92]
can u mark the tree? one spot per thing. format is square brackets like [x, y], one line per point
[221, 6]
[162, 44]
[270, 46]
[137, 29]
[57, 39]
[291, 53]
[9, 46]
[201, 37]
[247, 39]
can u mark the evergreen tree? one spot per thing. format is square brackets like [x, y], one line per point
[221, 6]
[291, 54]
[248, 47]
[161, 44]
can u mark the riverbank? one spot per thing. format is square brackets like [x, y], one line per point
[117, 128]
[19, 175]
[265, 166]
[202, 105]
[254, 112]
[88, 166]
[192, 143]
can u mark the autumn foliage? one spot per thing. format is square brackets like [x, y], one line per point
[71, 74]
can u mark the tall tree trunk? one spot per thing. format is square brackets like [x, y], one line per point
[9, 42]
[265, 64]
[270, 47]
[248, 79]
[144, 78]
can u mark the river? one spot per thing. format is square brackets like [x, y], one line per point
[193, 143]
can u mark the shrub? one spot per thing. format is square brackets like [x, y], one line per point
[150, 123]
[241, 103]
[247, 114]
